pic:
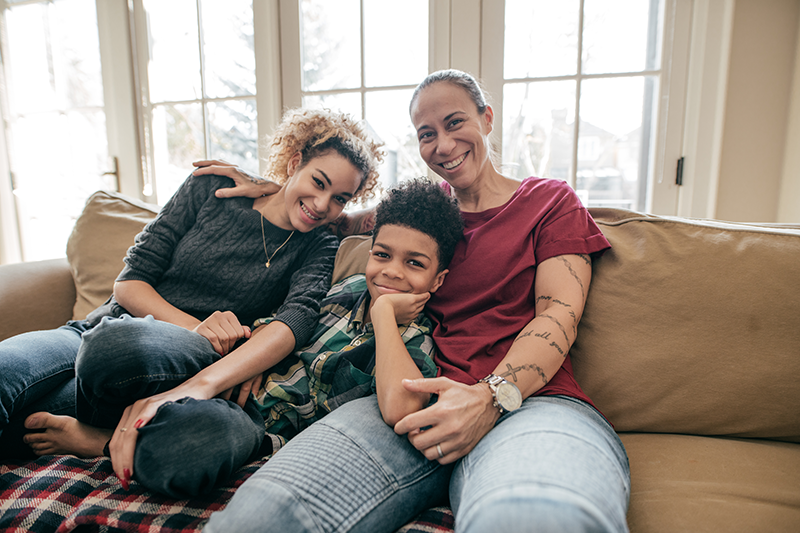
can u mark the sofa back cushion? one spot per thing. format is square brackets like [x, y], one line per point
[98, 244]
[694, 327]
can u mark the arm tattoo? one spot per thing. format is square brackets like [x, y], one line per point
[545, 336]
[586, 258]
[557, 323]
[574, 275]
[513, 371]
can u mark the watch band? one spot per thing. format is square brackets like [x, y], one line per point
[494, 381]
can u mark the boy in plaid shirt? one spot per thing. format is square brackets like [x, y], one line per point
[372, 332]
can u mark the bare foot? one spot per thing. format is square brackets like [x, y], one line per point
[64, 435]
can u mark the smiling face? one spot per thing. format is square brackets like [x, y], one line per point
[317, 192]
[403, 260]
[453, 136]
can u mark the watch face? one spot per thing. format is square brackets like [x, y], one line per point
[508, 396]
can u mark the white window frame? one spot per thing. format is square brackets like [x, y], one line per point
[694, 117]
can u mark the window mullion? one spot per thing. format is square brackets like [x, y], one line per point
[573, 175]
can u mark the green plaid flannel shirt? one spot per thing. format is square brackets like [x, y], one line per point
[337, 366]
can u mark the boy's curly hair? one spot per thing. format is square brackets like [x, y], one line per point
[424, 206]
[312, 132]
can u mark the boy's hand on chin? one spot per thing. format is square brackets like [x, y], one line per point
[405, 306]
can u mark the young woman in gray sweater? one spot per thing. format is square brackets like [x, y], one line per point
[163, 371]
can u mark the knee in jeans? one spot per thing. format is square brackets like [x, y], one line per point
[109, 351]
[525, 514]
[191, 446]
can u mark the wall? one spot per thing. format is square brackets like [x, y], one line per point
[789, 202]
[761, 71]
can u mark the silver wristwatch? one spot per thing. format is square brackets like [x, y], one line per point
[506, 395]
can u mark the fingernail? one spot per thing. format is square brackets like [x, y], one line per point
[127, 474]
[124, 482]
[138, 423]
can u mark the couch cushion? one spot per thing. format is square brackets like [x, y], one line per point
[351, 257]
[98, 244]
[693, 327]
[688, 483]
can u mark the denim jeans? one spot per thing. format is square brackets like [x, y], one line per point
[94, 374]
[189, 445]
[37, 371]
[555, 464]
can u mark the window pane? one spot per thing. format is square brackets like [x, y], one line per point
[174, 69]
[234, 133]
[228, 47]
[541, 38]
[395, 42]
[538, 129]
[177, 141]
[349, 103]
[54, 56]
[615, 36]
[616, 115]
[387, 114]
[51, 192]
[331, 49]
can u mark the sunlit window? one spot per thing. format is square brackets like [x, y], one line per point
[369, 74]
[56, 124]
[579, 95]
[200, 88]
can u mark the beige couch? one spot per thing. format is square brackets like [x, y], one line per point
[690, 344]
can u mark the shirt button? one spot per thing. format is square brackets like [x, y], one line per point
[357, 342]
[323, 357]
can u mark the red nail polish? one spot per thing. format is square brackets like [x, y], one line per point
[138, 423]
[127, 474]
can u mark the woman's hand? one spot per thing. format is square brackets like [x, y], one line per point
[459, 419]
[123, 441]
[247, 184]
[405, 306]
[223, 330]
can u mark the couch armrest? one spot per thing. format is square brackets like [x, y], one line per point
[35, 295]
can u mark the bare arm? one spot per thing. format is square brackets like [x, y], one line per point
[393, 363]
[464, 413]
[541, 347]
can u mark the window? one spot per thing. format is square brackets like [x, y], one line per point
[580, 91]
[55, 121]
[198, 85]
[588, 91]
[364, 57]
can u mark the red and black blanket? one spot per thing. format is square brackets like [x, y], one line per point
[64, 493]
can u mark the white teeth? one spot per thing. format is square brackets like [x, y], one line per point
[312, 217]
[454, 164]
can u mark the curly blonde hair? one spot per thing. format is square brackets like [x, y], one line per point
[313, 132]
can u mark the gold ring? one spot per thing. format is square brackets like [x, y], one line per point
[123, 430]
[439, 449]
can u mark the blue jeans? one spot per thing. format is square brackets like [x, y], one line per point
[37, 372]
[555, 464]
[190, 445]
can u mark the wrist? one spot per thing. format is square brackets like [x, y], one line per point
[506, 397]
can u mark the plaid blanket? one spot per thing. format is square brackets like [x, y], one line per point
[64, 493]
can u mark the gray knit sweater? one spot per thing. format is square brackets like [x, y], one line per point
[204, 254]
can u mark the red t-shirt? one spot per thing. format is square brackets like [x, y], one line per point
[488, 296]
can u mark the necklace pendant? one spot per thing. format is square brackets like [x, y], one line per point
[266, 264]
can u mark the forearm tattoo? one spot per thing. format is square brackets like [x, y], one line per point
[544, 335]
[574, 275]
[512, 371]
[557, 323]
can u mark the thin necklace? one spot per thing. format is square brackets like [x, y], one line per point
[264, 239]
